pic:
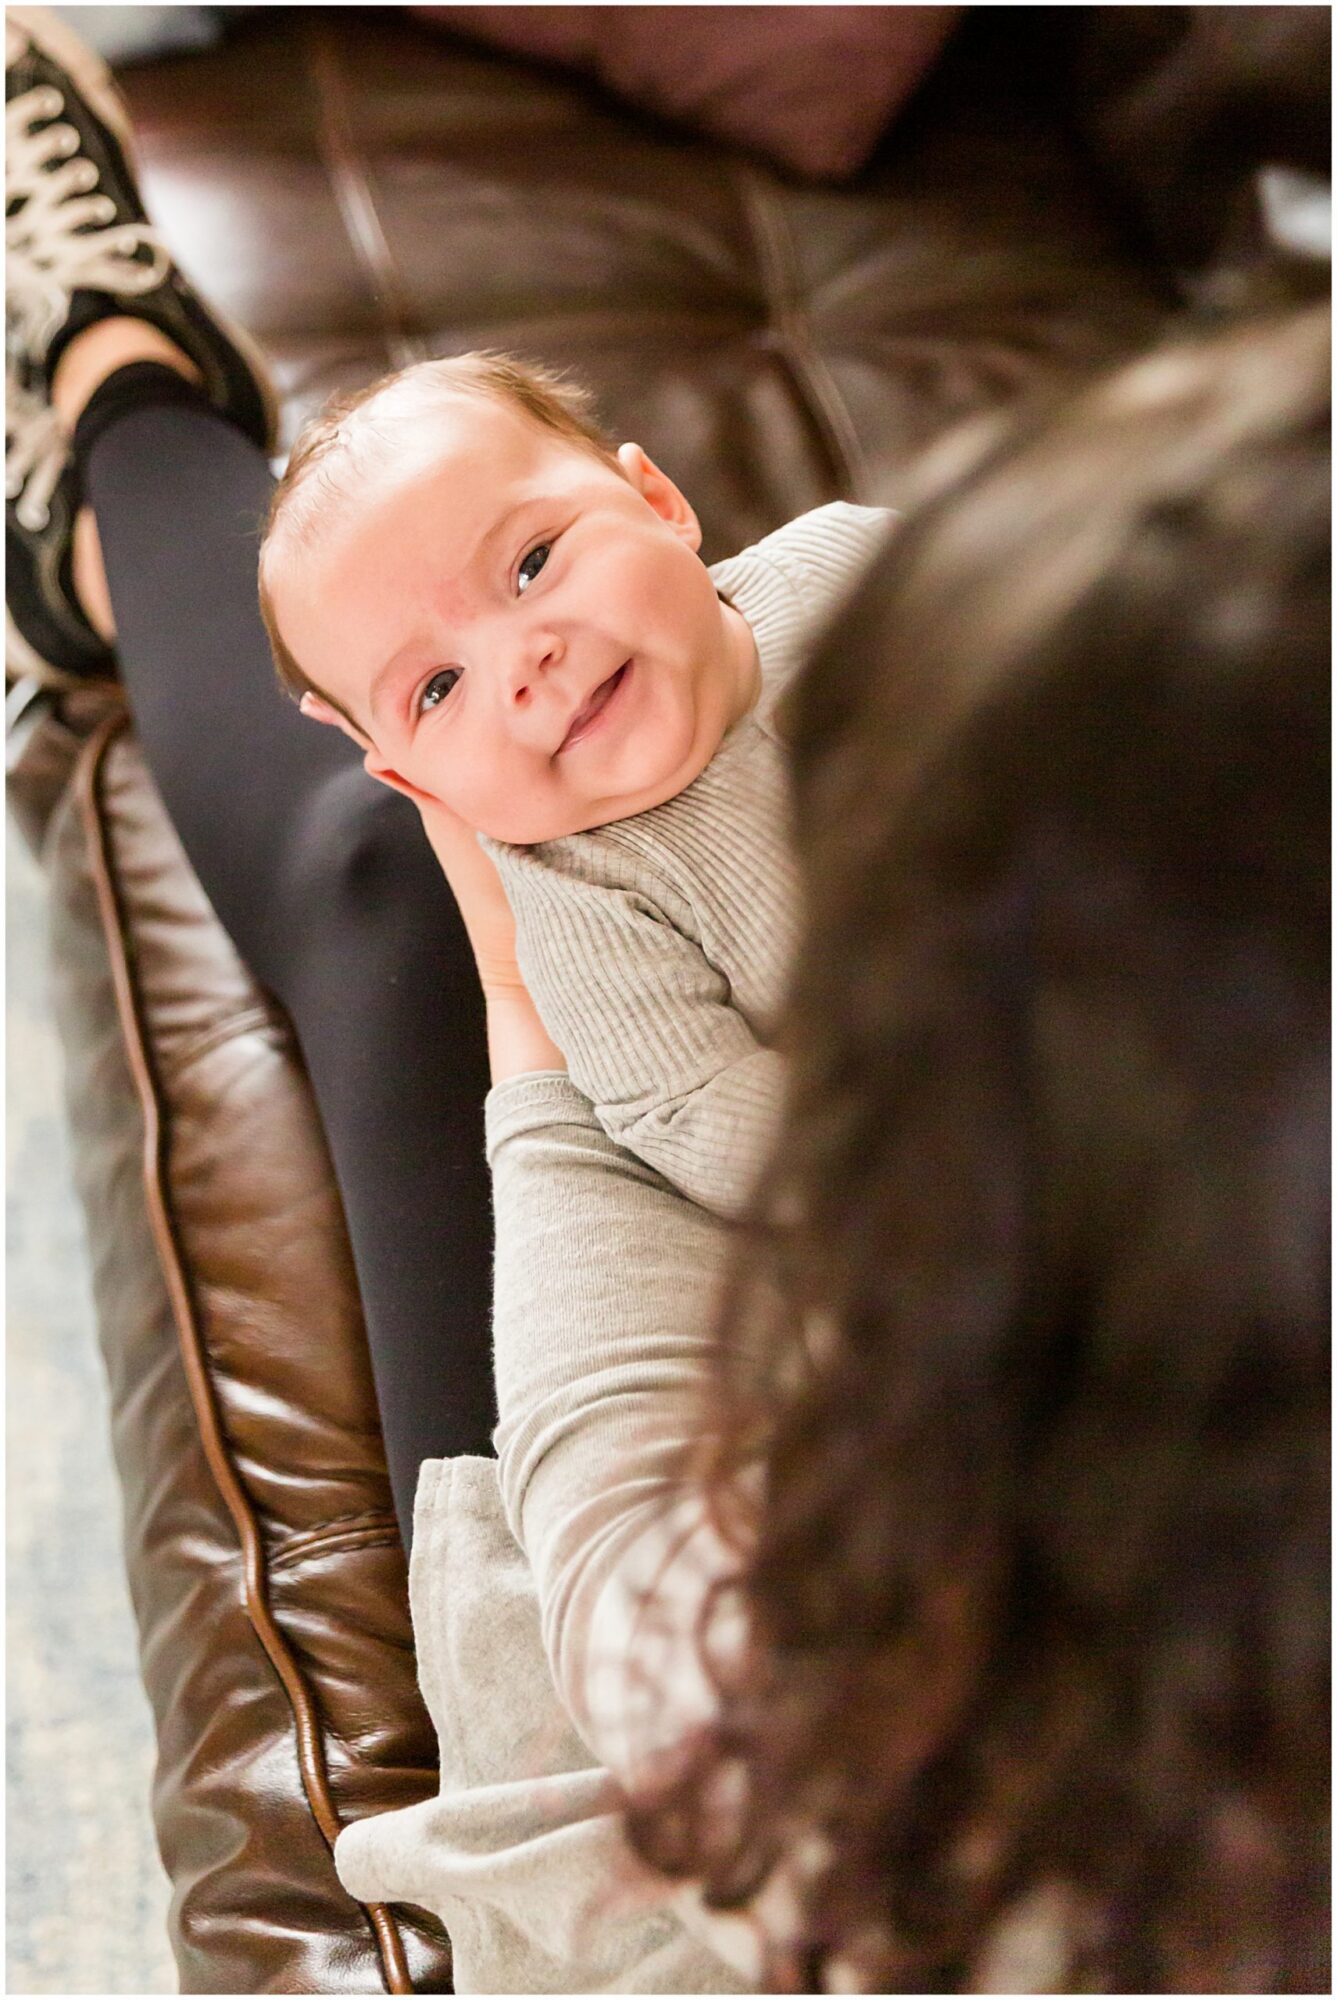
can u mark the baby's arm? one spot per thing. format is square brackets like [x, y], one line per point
[650, 1035]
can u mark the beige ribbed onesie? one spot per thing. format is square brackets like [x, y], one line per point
[655, 948]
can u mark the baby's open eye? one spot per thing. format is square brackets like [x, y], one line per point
[437, 688]
[537, 557]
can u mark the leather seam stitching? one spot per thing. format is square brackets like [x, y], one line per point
[365, 1516]
[789, 340]
[310, 1751]
[356, 1538]
[347, 1529]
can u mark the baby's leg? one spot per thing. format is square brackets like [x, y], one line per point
[328, 888]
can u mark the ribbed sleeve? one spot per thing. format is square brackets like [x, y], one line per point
[604, 1289]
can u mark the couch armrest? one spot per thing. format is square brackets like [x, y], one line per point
[266, 1570]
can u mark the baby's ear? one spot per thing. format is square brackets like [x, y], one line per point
[376, 767]
[659, 492]
[316, 709]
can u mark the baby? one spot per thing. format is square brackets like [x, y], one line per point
[509, 616]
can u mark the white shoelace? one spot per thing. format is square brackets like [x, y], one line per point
[61, 238]
[36, 448]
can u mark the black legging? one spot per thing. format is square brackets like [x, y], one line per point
[328, 888]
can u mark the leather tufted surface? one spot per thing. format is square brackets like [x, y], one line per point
[359, 192]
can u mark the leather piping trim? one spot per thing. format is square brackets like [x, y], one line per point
[310, 1748]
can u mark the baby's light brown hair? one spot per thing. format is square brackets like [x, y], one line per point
[335, 447]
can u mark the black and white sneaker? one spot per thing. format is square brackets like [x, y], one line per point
[79, 247]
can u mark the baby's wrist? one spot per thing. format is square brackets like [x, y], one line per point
[517, 1040]
[499, 976]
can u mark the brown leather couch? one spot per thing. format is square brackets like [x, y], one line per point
[359, 192]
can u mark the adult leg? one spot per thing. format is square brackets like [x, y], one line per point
[328, 888]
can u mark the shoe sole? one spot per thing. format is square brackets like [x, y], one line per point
[87, 69]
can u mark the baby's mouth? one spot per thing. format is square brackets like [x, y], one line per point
[586, 716]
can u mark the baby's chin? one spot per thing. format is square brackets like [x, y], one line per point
[651, 789]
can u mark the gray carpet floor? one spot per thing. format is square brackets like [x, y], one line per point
[86, 1894]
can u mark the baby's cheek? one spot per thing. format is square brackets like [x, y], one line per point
[682, 595]
[446, 778]
[506, 801]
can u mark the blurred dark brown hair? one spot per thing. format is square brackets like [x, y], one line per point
[1037, 1692]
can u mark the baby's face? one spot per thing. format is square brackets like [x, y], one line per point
[519, 630]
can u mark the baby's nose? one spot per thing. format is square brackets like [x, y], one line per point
[530, 665]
